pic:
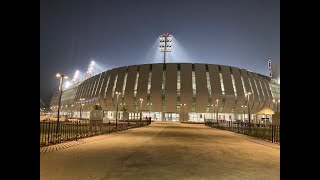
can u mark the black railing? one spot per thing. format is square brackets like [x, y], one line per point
[74, 130]
[267, 132]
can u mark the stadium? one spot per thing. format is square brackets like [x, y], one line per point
[172, 92]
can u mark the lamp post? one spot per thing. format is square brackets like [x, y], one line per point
[82, 99]
[248, 98]
[217, 112]
[141, 100]
[276, 101]
[61, 76]
[117, 93]
[183, 105]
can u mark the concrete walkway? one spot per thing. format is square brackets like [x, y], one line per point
[164, 151]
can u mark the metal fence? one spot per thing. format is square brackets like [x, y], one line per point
[267, 132]
[69, 131]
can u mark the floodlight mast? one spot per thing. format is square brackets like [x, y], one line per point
[165, 49]
[165, 44]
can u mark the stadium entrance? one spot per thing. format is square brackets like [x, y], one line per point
[171, 117]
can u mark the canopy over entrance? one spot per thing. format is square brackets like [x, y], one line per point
[265, 109]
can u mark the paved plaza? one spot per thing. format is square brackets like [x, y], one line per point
[163, 150]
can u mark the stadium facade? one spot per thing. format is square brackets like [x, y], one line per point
[172, 92]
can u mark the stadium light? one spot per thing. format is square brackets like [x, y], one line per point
[75, 76]
[67, 84]
[90, 70]
[165, 44]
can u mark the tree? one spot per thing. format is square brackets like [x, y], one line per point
[125, 108]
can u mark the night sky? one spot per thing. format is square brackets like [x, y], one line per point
[240, 33]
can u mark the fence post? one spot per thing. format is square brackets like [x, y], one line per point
[77, 126]
[63, 130]
[42, 132]
[272, 133]
[49, 134]
[73, 129]
[69, 135]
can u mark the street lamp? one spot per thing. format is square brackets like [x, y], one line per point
[183, 105]
[117, 93]
[277, 101]
[141, 100]
[61, 76]
[248, 98]
[82, 99]
[217, 112]
[165, 44]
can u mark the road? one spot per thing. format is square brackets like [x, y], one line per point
[164, 151]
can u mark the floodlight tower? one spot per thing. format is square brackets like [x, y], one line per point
[90, 70]
[75, 77]
[165, 44]
[66, 85]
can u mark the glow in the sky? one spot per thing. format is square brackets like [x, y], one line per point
[66, 84]
[75, 76]
[90, 67]
[94, 68]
